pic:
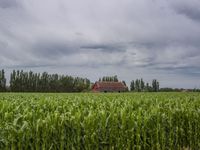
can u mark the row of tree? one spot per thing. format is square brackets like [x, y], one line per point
[109, 79]
[139, 85]
[21, 81]
[2, 81]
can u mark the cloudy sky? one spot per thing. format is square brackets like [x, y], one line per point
[92, 38]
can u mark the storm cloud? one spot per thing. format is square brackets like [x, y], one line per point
[130, 38]
[8, 3]
[188, 8]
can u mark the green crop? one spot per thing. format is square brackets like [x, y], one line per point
[137, 121]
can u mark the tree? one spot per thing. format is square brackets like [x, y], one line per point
[124, 82]
[142, 85]
[137, 85]
[21, 81]
[2, 81]
[115, 78]
[155, 85]
[132, 85]
[12, 81]
[109, 79]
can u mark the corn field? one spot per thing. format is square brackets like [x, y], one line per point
[135, 121]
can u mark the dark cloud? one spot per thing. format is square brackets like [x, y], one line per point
[150, 44]
[105, 47]
[190, 9]
[8, 3]
[135, 38]
[53, 48]
[192, 13]
[3, 45]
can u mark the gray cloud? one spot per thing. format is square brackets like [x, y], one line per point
[190, 12]
[106, 47]
[53, 48]
[190, 9]
[3, 44]
[132, 38]
[8, 3]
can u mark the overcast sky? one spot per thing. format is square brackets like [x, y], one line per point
[92, 38]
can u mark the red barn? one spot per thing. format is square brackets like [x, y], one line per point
[107, 86]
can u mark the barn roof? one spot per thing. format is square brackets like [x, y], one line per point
[110, 84]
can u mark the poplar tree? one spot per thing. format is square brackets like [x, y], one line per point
[2, 81]
[132, 85]
[155, 85]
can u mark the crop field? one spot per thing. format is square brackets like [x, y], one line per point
[87, 121]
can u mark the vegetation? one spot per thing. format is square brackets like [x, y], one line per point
[21, 81]
[109, 78]
[139, 86]
[155, 85]
[2, 81]
[150, 121]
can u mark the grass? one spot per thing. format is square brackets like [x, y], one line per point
[140, 121]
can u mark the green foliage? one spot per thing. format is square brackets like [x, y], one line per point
[109, 78]
[155, 85]
[21, 81]
[157, 121]
[2, 81]
[132, 85]
[139, 86]
[124, 82]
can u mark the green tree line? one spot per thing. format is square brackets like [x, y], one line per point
[139, 85]
[109, 79]
[21, 81]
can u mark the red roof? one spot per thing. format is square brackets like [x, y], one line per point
[109, 86]
[105, 84]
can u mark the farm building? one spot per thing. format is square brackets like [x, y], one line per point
[109, 86]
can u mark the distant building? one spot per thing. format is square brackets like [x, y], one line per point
[109, 86]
